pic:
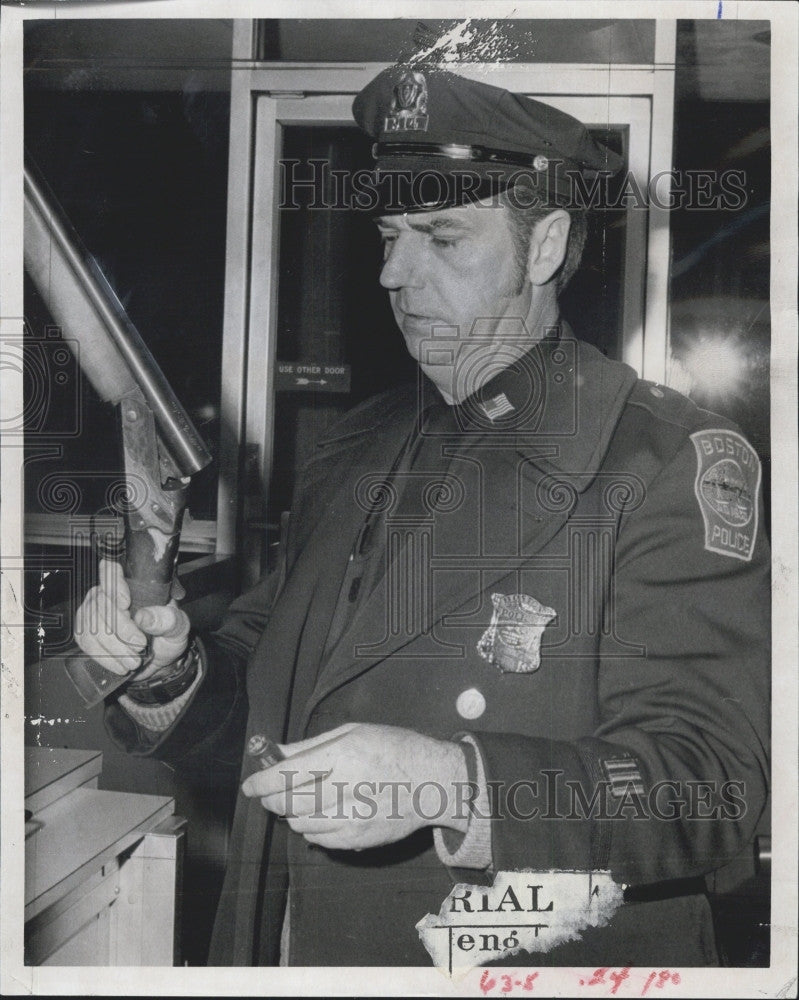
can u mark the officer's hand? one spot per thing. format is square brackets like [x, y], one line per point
[105, 630]
[364, 786]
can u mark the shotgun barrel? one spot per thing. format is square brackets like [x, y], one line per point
[109, 349]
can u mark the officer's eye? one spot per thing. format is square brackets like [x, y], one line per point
[445, 242]
[388, 240]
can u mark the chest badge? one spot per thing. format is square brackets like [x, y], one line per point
[512, 641]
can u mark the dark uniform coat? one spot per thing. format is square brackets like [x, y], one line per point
[595, 496]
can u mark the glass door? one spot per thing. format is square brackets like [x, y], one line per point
[321, 334]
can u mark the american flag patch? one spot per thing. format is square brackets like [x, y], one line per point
[623, 775]
[498, 406]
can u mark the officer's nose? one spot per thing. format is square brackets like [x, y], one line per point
[401, 268]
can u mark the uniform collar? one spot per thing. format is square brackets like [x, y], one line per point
[558, 405]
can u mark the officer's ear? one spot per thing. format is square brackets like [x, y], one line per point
[548, 245]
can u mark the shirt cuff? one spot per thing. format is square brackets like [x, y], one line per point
[474, 850]
[158, 718]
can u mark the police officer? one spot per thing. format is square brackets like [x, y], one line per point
[531, 568]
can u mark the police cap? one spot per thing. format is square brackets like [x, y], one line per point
[443, 140]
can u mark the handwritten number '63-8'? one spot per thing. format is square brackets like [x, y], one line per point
[487, 983]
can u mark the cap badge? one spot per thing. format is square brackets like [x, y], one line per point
[512, 641]
[540, 163]
[408, 105]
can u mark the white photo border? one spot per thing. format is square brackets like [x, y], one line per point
[777, 980]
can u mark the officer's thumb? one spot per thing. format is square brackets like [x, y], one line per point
[168, 621]
[315, 742]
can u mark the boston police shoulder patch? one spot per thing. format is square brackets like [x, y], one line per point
[726, 486]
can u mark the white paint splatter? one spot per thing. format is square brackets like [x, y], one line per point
[159, 542]
[39, 720]
[466, 42]
[445, 48]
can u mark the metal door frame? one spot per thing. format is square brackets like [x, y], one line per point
[267, 96]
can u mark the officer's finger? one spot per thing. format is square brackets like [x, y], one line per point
[280, 779]
[341, 838]
[276, 804]
[113, 582]
[117, 635]
[116, 663]
[86, 621]
[315, 826]
[167, 621]
[86, 615]
[300, 806]
[293, 749]
[96, 622]
[110, 649]
[93, 637]
[114, 623]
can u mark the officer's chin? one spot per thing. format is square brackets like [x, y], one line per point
[430, 357]
[416, 337]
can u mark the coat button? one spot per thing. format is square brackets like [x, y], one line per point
[470, 704]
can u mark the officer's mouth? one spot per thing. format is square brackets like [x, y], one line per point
[417, 320]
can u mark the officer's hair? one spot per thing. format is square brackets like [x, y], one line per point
[525, 211]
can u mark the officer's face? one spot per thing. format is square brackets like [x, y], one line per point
[452, 269]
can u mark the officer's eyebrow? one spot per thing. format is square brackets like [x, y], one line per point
[448, 222]
[435, 224]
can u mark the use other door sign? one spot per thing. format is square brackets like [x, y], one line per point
[312, 376]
